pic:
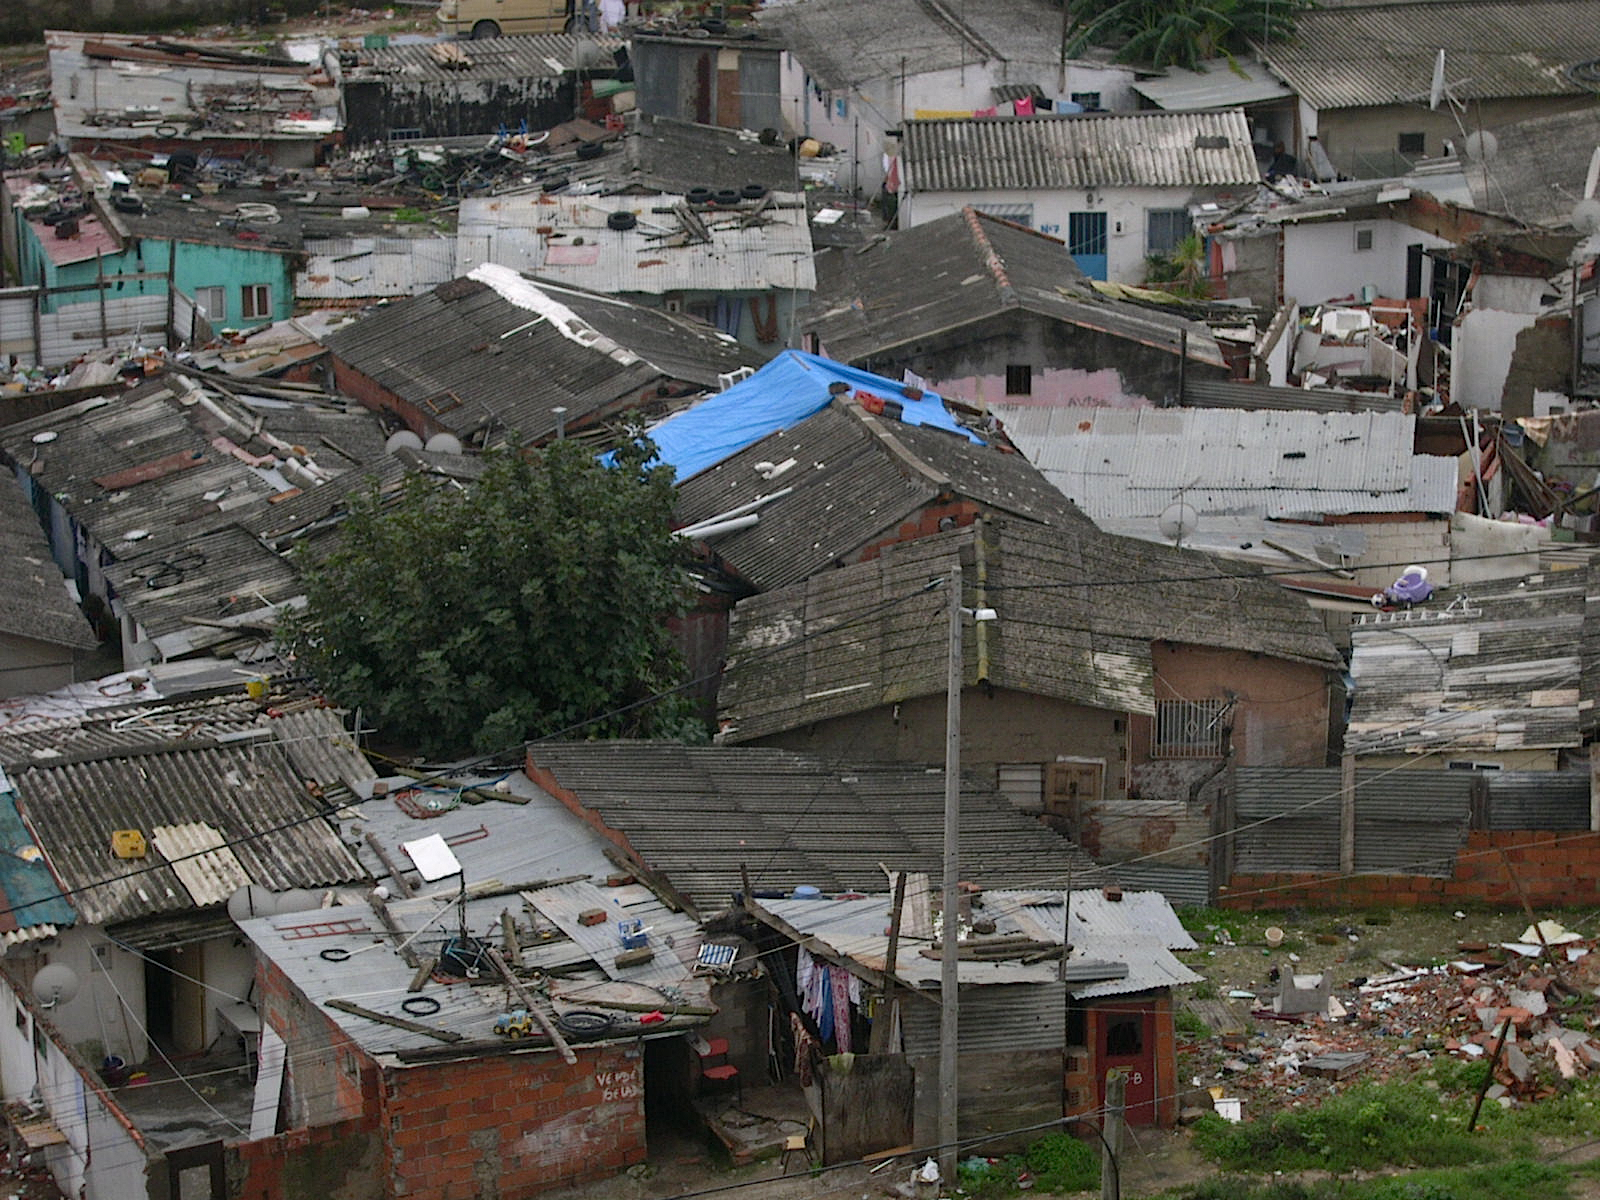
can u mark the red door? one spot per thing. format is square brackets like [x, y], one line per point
[1128, 1043]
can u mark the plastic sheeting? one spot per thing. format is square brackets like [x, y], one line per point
[786, 391]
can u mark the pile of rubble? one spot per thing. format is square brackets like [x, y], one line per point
[1527, 1007]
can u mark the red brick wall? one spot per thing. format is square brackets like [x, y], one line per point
[923, 523]
[341, 1159]
[1555, 869]
[512, 1125]
[328, 1077]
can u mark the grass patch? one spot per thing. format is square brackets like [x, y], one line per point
[1496, 1181]
[1057, 1162]
[1366, 1128]
[1186, 1023]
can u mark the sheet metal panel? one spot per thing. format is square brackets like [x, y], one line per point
[1217, 83]
[565, 903]
[1149, 149]
[1287, 819]
[1011, 1017]
[1544, 800]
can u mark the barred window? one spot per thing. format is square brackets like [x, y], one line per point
[1190, 729]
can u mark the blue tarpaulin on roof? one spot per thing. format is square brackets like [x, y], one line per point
[29, 894]
[786, 391]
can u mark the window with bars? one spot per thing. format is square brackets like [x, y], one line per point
[1086, 233]
[1190, 729]
[1165, 228]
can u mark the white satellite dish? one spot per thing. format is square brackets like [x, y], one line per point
[404, 440]
[1586, 216]
[443, 443]
[252, 900]
[1178, 521]
[55, 984]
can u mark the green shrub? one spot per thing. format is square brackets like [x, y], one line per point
[1367, 1127]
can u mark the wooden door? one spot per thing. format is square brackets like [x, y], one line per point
[1127, 1042]
[1070, 786]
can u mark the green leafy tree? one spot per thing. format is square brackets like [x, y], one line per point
[533, 600]
[1180, 33]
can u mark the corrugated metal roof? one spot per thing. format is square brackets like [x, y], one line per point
[565, 903]
[1119, 463]
[517, 56]
[1151, 149]
[1500, 670]
[373, 267]
[1224, 393]
[1359, 56]
[1187, 886]
[1215, 83]
[746, 253]
[1006, 1017]
[1411, 822]
[694, 814]
[887, 297]
[1548, 800]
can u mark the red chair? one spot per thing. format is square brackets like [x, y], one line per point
[716, 1069]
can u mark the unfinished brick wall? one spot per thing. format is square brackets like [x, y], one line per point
[1555, 869]
[329, 1078]
[342, 1161]
[512, 1125]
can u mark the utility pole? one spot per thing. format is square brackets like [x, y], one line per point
[949, 952]
[1111, 1135]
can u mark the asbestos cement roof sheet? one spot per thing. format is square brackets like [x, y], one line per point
[373, 268]
[842, 43]
[564, 904]
[247, 794]
[1374, 54]
[747, 252]
[34, 601]
[971, 270]
[1215, 83]
[1147, 149]
[1126, 463]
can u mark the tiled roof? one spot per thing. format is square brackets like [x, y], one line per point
[964, 268]
[1079, 610]
[696, 814]
[1371, 54]
[1148, 149]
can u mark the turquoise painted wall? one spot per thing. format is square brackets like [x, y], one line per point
[198, 265]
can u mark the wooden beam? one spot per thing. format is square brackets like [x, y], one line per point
[444, 1035]
[529, 1003]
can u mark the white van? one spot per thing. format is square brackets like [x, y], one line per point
[491, 18]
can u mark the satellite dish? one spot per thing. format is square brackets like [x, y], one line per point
[1480, 147]
[1178, 521]
[443, 443]
[1586, 216]
[1436, 92]
[252, 900]
[404, 440]
[296, 900]
[55, 984]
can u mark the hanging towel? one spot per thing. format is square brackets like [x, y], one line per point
[1024, 107]
[841, 1009]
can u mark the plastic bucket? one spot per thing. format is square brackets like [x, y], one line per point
[1274, 936]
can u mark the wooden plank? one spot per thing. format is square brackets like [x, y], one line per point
[443, 1035]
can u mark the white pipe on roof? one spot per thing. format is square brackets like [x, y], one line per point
[719, 526]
